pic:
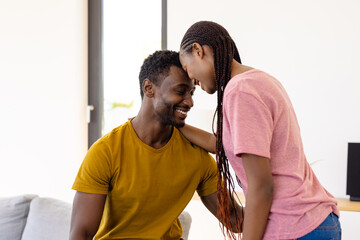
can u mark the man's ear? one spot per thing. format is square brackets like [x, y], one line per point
[198, 50]
[148, 88]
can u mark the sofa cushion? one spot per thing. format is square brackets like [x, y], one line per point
[48, 219]
[13, 214]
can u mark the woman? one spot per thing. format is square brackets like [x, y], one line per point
[258, 133]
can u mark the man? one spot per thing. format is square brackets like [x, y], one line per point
[135, 181]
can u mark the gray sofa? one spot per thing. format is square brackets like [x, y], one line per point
[30, 217]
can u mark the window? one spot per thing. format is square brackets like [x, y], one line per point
[121, 35]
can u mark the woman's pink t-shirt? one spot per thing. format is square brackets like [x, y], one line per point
[259, 119]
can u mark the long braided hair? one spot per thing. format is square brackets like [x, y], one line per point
[224, 49]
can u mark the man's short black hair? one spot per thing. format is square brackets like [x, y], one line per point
[156, 67]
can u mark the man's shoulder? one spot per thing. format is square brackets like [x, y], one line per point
[115, 135]
[191, 147]
[181, 139]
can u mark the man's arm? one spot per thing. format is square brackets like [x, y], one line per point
[210, 203]
[86, 215]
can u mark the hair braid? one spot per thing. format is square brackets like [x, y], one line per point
[224, 50]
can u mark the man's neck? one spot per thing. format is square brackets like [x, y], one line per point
[151, 131]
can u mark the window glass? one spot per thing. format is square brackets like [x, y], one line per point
[131, 31]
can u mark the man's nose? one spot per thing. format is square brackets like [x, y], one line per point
[189, 101]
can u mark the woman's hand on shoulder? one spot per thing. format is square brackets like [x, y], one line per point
[200, 137]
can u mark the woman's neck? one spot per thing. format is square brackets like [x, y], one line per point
[238, 68]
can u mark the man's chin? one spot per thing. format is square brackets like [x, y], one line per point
[178, 124]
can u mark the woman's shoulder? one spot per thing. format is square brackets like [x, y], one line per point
[252, 82]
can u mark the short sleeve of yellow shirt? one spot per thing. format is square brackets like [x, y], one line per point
[146, 188]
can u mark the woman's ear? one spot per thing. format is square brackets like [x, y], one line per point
[198, 50]
[148, 88]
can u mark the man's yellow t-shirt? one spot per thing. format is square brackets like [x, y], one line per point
[146, 188]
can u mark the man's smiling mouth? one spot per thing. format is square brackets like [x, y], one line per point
[182, 112]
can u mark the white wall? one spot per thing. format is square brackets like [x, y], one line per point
[313, 48]
[43, 95]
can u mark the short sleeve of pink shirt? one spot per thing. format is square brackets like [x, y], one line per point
[258, 118]
[248, 119]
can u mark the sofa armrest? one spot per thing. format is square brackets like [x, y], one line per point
[185, 220]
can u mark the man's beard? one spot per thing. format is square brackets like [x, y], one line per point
[168, 118]
[168, 121]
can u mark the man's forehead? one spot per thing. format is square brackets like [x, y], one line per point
[177, 76]
[186, 85]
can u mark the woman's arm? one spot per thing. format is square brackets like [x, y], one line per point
[259, 195]
[200, 137]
